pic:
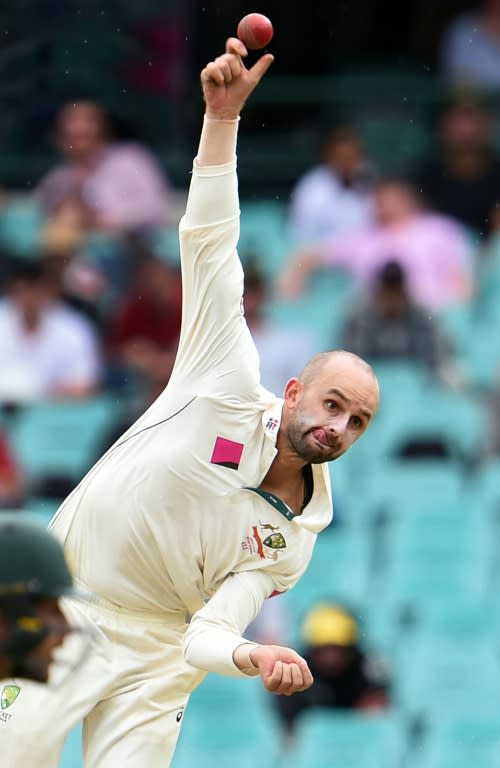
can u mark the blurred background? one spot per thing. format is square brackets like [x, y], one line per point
[370, 193]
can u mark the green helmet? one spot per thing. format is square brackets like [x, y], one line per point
[31, 560]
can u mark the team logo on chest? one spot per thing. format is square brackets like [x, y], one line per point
[7, 698]
[265, 541]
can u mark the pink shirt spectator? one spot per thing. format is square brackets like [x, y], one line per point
[433, 251]
[124, 188]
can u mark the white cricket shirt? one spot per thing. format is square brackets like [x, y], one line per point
[166, 521]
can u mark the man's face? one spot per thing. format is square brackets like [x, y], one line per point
[345, 156]
[325, 416]
[80, 130]
[30, 297]
[332, 660]
[465, 127]
[50, 615]
[47, 614]
[393, 202]
[391, 301]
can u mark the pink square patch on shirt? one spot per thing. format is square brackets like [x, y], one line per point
[227, 453]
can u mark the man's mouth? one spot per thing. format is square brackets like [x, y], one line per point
[321, 437]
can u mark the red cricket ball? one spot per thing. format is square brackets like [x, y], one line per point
[255, 30]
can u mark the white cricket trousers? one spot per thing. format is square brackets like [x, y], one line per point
[130, 694]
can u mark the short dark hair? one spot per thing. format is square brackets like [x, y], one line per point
[25, 270]
[391, 275]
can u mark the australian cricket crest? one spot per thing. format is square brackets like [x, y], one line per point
[265, 541]
[7, 698]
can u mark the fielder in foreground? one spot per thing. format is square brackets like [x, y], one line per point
[33, 577]
[208, 505]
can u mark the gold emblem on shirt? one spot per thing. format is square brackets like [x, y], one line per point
[266, 547]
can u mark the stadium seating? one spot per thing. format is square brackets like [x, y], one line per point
[321, 309]
[21, 225]
[43, 508]
[395, 486]
[457, 740]
[437, 673]
[347, 740]
[72, 753]
[60, 440]
[229, 722]
[264, 236]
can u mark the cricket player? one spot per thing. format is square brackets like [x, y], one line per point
[33, 577]
[208, 505]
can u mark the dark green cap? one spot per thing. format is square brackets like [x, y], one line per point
[31, 559]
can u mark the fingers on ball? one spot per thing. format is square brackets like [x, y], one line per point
[234, 45]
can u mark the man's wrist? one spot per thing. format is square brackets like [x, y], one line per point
[251, 655]
[222, 117]
[242, 658]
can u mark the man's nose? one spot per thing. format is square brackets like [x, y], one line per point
[338, 425]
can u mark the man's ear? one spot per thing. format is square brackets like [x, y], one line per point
[293, 390]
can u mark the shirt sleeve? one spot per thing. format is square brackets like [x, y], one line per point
[215, 340]
[216, 629]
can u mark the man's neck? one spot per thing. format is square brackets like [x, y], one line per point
[285, 477]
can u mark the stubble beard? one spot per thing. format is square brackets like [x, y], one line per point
[298, 430]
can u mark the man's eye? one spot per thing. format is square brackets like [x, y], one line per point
[356, 422]
[331, 404]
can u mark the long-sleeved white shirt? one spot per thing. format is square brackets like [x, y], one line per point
[171, 519]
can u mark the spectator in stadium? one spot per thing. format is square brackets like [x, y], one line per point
[387, 325]
[462, 180]
[46, 349]
[280, 347]
[333, 196]
[433, 250]
[120, 184]
[345, 677]
[65, 228]
[470, 49]
[142, 334]
[11, 483]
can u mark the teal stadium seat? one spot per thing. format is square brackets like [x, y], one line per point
[228, 722]
[62, 439]
[461, 422]
[456, 620]
[72, 753]
[484, 485]
[21, 228]
[415, 485]
[430, 532]
[330, 739]
[455, 740]
[43, 509]
[436, 673]
[415, 407]
[264, 236]
[321, 309]
[411, 576]
[481, 361]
